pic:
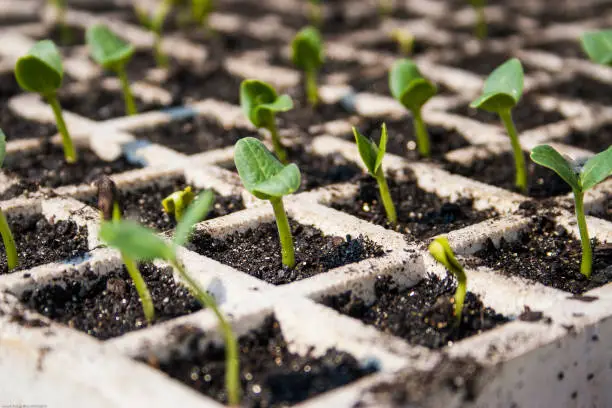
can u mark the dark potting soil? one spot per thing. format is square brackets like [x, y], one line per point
[257, 252]
[422, 314]
[39, 241]
[483, 63]
[8, 87]
[379, 84]
[595, 140]
[499, 171]
[329, 67]
[75, 36]
[271, 376]
[583, 87]
[563, 48]
[108, 305]
[421, 215]
[526, 115]
[16, 127]
[303, 116]
[547, 253]
[494, 30]
[388, 45]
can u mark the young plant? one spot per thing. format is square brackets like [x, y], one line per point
[412, 90]
[308, 54]
[580, 178]
[598, 46]
[502, 91]
[12, 259]
[404, 40]
[143, 244]
[176, 203]
[260, 103]
[60, 10]
[112, 53]
[315, 12]
[41, 71]
[157, 25]
[442, 252]
[372, 157]
[481, 20]
[268, 179]
[110, 209]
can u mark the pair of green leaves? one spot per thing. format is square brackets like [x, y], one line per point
[442, 252]
[503, 88]
[408, 86]
[260, 102]
[598, 46]
[108, 49]
[372, 154]
[307, 49]
[41, 69]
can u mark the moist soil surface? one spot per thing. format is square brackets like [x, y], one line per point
[563, 48]
[39, 241]
[494, 30]
[257, 252]
[75, 36]
[499, 171]
[106, 306]
[421, 215]
[483, 63]
[583, 87]
[16, 127]
[379, 84]
[547, 253]
[422, 314]
[595, 140]
[271, 376]
[390, 46]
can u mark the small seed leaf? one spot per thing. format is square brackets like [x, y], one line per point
[408, 86]
[40, 70]
[371, 154]
[598, 46]
[106, 48]
[196, 212]
[2, 147]
[596, 169]
[308, 53]
[503, 88]
[547, 156]
[260, 102]
[442, 252]
[135, 241]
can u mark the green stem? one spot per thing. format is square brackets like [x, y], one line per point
[65, 34]
[156, 26]
[312, 91]
[69, 151]
[12, 258]
[284, 232]
[128, 98]
[232, 361]
[587, 252]
[141, 288]
[422, 136]
[316, 15]
[278, 147]
[385, 7]
[519, 160]
[460, 293]
[385, 196]
[481, 22]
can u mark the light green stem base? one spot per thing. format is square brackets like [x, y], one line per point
[586, 265]
[519, 160]
[278, 147]
[157, 26]
[12, 258]
[284, 232]
[422, 135]
[141, 288]
[385, 197]
[460, 294]
[69, 150]
[128, 98]
[312, 90]
[481, 23]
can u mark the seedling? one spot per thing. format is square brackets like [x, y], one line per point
[372, 157]
[598, 46]
[157, 25]
[412, 90]
[580, 177]
[260, 103]
[176, 203]
[502, 91]
[404, 40]
[308, 54]
[200, 11]
[112, 53]
[481, 20]
[60, 10]
[442, 252]
[268, 179]
[41, 71]
[143, 244]
[110, 209]
[315, 12]
[12, 258]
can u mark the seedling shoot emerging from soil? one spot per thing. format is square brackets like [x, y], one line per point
[502, 91]
[315, 12]
[260, 103]
[176, 203]
[308, 54]
[372, 157]
[412, 90]
[60, 10]
[580, 178]
[143, 244]
[404, 40]
[112, 53]
[598, 46]
[268, 179]
[7, 236]
[480, 29]
[41, 71]
[442, 252]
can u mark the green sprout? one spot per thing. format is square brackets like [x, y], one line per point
[60, 9]
[260, 103]
[442, 252]
[12, 259]
[177, 202]
[41, 71]
[385, 7]
[157, 25]
[372, 157]
[502, 91]
[143, 244]
[580, 178]
[404, 40]
[412, 90]
[110, 209]
[200, 11]
[268, 179]
[480, 29]
[308, 54]
[315, 12]
[598, 46]
[112, 53]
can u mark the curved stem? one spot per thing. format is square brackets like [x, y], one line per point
[69, 151]
[587, 253]
[460, 293]
[128, 98]
[422, 136]
[284, 232]
[519, 160]
[12, 258]
[385, 197]
[141, 288]
[278, 147]
[312, 91]
[481, 22]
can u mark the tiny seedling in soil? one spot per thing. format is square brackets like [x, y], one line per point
[7, 236]
[442, 252]
[260, 103]
[404, 40]
[41, 71]
[480, 29]
[598, 46]
[60, 10]
[315, 12]
[112, 53]
[412, 90]
[308, 54]
[143, 244]
[580, 177]
[177, 203]
[372, 157]
[268, 179]
[502, 91]
[157, 25]
[200, 11]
